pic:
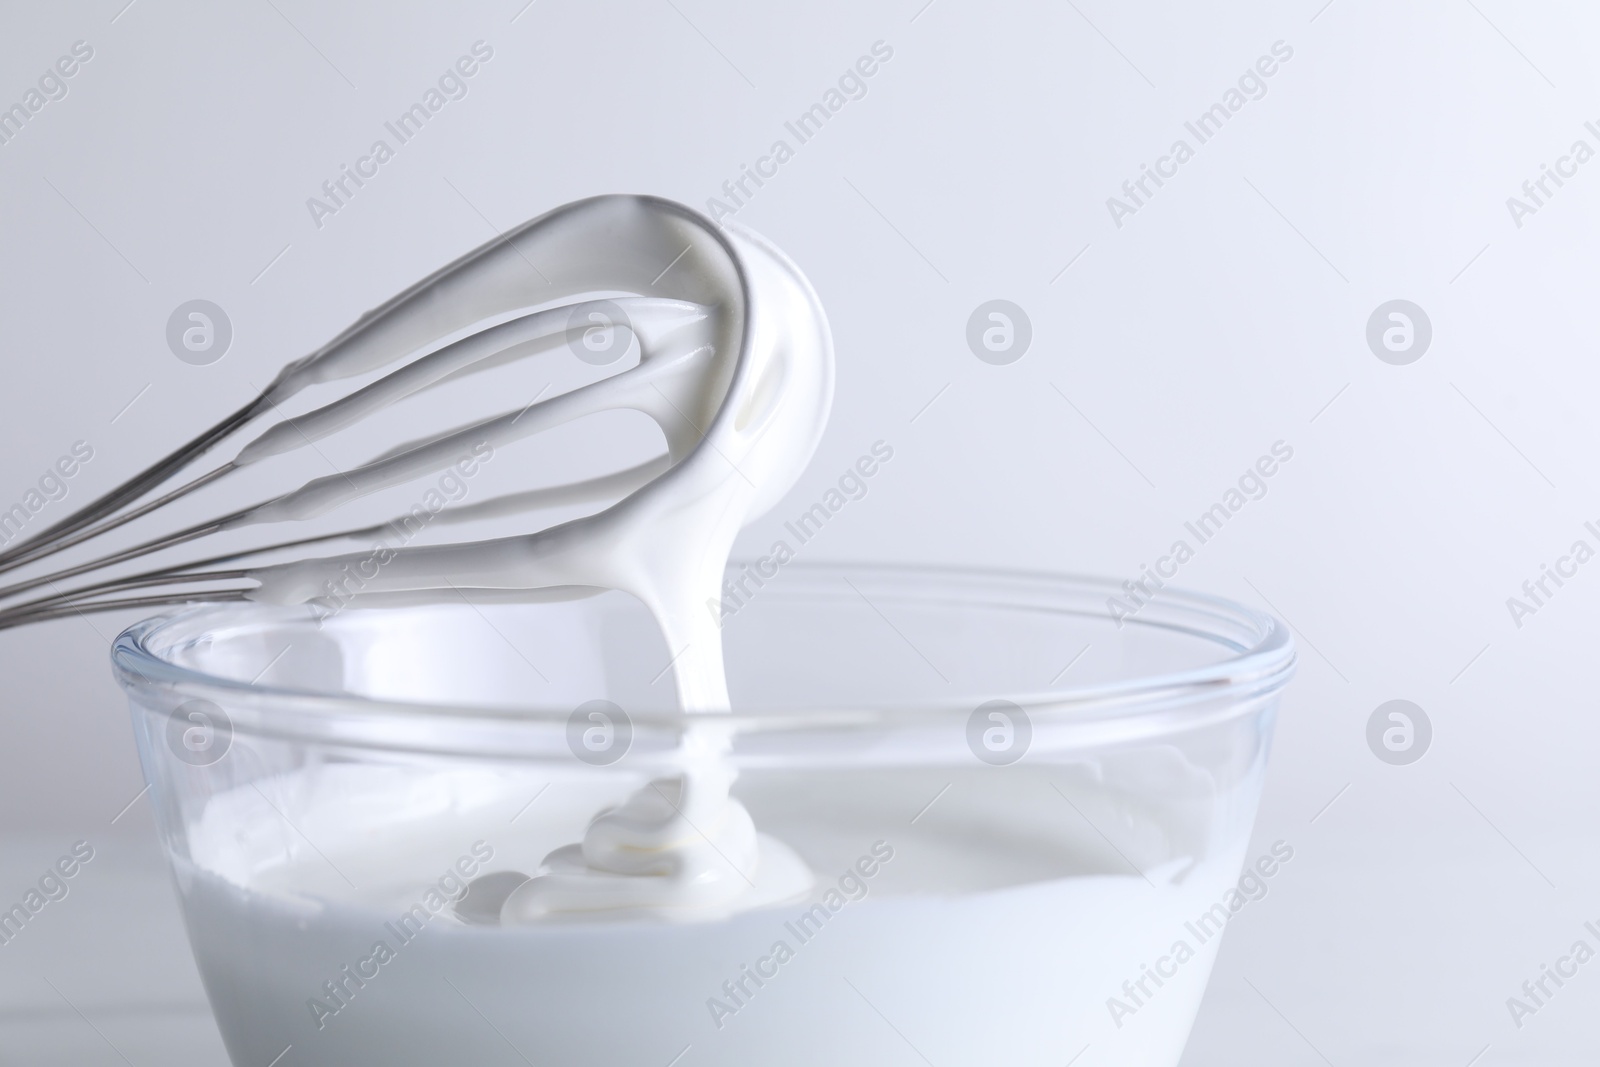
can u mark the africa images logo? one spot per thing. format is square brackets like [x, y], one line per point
[599, 732]
[999, 732]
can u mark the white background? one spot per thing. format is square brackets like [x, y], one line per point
[1227, 314]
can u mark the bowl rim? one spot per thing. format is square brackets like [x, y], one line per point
[1262, 661]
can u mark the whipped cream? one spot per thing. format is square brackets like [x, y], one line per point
[678, 846]
[735, 366]
[996, 906]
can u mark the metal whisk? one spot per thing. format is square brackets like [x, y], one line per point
[717, 331]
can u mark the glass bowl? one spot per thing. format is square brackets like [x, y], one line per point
[1026, 816]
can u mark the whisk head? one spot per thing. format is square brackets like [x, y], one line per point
[734, 365]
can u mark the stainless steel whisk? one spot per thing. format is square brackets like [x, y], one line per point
[679, 284]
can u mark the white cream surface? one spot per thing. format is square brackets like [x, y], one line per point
[735, 366]
[988, 936]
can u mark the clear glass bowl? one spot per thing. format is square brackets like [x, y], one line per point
[1016, 808]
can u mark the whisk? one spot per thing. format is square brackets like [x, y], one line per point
[735, 367]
